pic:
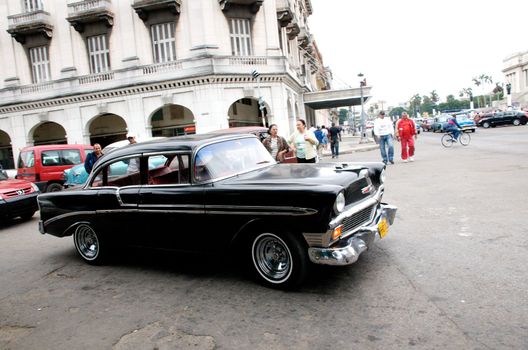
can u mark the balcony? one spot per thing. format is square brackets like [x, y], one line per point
[252, 5]
[144, 7]
[304, 38]
[86, 12]
[30, 23]
[292, 30]
[284, 12]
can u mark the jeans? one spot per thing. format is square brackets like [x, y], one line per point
[384, 142]
[334, 146]
[454, 131]
[304, 160]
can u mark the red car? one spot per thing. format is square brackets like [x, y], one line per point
[18, 198]
[45, 165]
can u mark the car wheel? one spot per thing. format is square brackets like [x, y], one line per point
[280, 260]
[486, 125]
[27, 216]
[90, 245]
[516, 122]
[54, 187]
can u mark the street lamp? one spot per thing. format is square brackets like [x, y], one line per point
[362, 83]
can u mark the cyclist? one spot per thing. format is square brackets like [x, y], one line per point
[453, 127]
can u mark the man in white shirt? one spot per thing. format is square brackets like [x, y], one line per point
[384, 130]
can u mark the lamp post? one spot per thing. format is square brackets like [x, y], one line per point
[262, 105]
[362, 83]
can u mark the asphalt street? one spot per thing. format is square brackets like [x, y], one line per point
[451, 274]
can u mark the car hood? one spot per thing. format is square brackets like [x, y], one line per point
[13, 185]
[341, 174]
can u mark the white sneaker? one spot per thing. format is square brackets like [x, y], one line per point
[411, 159]
[405, 160]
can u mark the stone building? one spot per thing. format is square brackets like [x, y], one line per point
[516, 73]
[94, 70]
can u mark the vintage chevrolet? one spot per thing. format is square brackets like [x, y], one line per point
[216, 192]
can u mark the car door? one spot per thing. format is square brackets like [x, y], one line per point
[508, 118]
[170, 206]
[117, 185]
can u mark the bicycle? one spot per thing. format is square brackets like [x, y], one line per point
[449, 139]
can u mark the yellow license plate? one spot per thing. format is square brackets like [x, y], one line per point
[383, 228]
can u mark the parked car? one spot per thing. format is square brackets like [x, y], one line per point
[503, 118]
[18, 198]
[427, 124]
[45, 165]
[225, 194]
[466, 123]
[440, 123]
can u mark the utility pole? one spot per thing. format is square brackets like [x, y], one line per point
[364, 138]
[262, 104]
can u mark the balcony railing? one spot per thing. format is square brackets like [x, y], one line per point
[218, 66]
[28, 23]
[28, 19]
[162, 67]
[96, 78]
[90, 11]
[88, 6]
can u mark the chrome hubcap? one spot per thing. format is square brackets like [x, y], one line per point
[272, 257]
[86, 242]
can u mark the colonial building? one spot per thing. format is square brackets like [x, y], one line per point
[516, 73]
[94, 70]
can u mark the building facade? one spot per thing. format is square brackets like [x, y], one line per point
[94, 70]
[516, 73]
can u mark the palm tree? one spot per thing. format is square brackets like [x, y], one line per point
[434, 97]
[477, 81]
[467, 92]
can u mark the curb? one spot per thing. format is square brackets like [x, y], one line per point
[355, 150]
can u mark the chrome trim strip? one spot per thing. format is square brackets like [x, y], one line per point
[62, 216]
[376, 198]
[259, 210]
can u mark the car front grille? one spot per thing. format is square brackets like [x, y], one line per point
[358, 219]
[16, 193]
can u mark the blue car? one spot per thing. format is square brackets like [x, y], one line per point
[466, 123]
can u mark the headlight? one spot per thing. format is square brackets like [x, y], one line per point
[339, 205]
[382, 177]
[35, 187]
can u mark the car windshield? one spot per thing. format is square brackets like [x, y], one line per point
[2, 175]
[229, 158]
[462, 118]
[26, 159]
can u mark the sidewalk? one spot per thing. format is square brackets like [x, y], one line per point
[350, 144]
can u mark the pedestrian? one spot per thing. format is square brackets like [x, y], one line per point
[133, 163]
[93, 157]
[303, 143]
[319, 136]
[276, 145]
[405, 131]
[335, 137]
[325, 137]
[384, 131]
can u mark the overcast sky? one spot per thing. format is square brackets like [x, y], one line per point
[406, 47]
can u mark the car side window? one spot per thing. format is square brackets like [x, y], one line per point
[51, 158]
[170, 169]
[123, 172]
[71, 157]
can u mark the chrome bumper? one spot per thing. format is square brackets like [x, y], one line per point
[348, 250]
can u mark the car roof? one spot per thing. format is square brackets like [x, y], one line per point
[241, 130]
[187, 143]
[52, 147]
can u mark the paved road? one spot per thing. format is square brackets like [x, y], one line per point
[450, 275]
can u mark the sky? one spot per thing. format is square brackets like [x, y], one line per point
[405, 47]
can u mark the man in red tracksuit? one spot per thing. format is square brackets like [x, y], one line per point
[405, 130]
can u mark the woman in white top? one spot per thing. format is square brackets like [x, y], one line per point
[303, 142]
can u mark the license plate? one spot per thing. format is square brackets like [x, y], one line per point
[383, 228]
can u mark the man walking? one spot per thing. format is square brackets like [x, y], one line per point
[405, 130]
[335, 137]
[384, 130]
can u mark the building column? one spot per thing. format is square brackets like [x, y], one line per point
[272, 29]
[74, 127]
[127, 34]
[62, 38]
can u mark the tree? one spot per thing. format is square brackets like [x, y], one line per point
[434, 97]
[397, 112]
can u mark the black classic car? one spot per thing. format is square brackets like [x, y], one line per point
[218, 192]
[503, 118]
